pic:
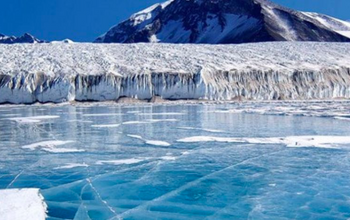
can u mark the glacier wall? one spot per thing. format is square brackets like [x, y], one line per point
[221, 85]
[174, 72]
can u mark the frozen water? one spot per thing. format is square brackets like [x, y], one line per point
[256, 160]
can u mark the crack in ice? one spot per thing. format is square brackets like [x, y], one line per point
[100, 198]
[188, 185]
[14, 180]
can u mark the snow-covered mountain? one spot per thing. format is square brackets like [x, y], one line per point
[225, 21]
[26, 38]
[60, 72]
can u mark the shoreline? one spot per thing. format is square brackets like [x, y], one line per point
[137, 102]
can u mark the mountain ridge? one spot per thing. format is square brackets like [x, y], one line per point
[25, 38]
[225, 21]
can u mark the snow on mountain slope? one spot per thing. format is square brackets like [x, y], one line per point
[62, 72]
[225, 21]
[341, 27]
[26, 38]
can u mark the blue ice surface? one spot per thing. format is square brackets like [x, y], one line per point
[182, 181]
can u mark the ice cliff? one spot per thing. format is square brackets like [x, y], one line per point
[96, 72]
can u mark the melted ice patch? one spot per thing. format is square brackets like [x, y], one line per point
[22, 204]
[35, 119]
[291, 141]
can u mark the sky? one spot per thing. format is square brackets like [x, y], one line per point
[85, 20]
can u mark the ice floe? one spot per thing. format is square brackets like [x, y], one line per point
[290, 141]
[22, 204]
[331, 109]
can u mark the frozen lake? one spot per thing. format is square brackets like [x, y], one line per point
[279, 160]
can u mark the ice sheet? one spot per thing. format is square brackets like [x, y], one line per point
[272, 147]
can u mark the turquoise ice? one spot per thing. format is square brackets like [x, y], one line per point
[106, 161]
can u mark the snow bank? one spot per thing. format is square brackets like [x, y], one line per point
[97, 72]
[17, 204]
